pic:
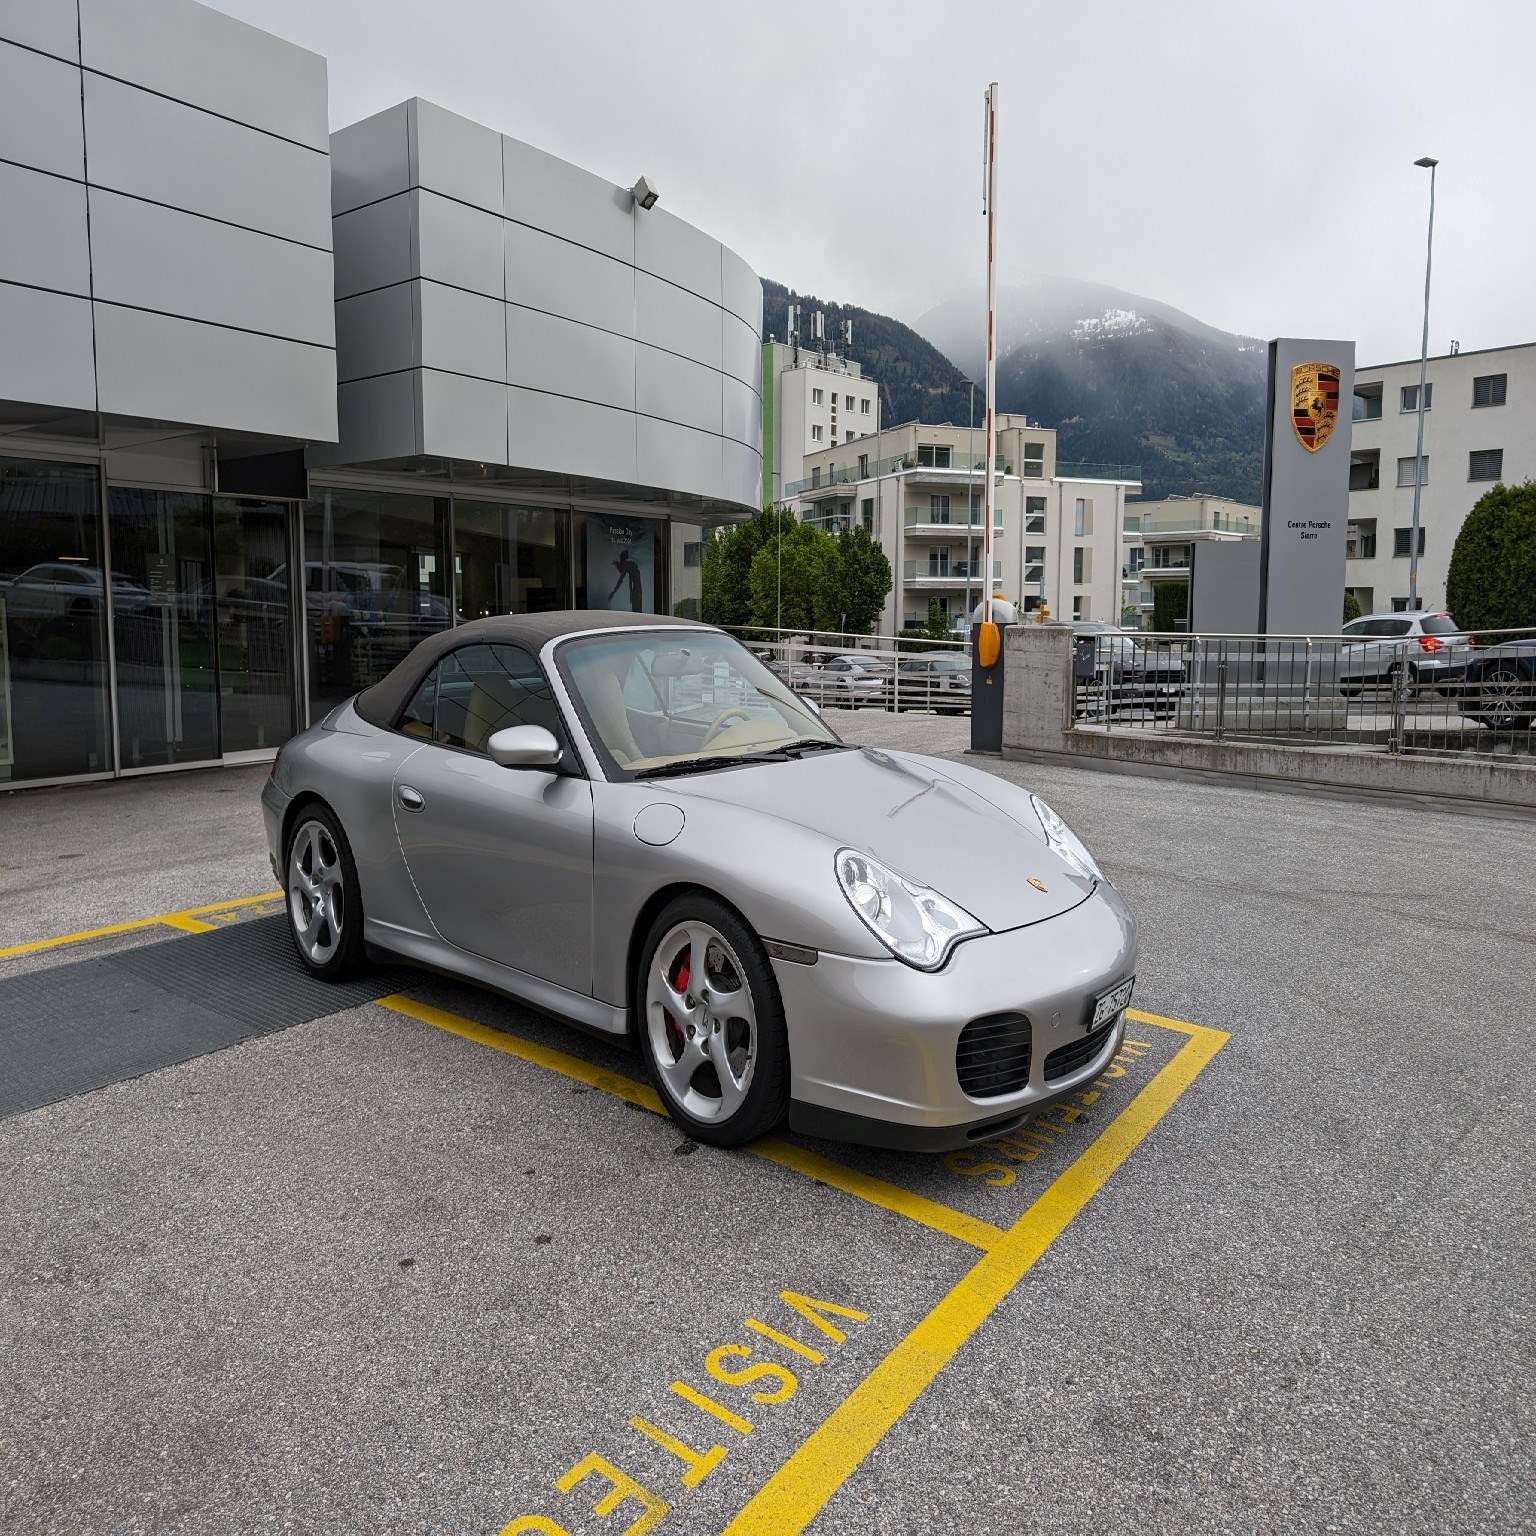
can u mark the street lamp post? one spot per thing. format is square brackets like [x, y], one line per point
[1428, 163]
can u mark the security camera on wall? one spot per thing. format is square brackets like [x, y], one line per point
[644, 192]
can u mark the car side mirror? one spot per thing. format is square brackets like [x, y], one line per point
[524, 746]
[810, 704]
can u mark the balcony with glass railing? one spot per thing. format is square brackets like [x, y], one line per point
[920, 519]
[943, 469]
[1191, 520]
[1070, 469]
[954, 573]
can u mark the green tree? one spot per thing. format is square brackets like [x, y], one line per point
[786, 583]
[726, 567]
[937, 627]
[1492, 580]
[1170, 605]
[1351, 607]
[855, 583]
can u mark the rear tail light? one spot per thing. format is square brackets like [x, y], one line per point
[1431, 643]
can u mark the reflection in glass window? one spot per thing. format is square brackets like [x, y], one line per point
[53, 683]
[375, 583]
[164, 627]
[686, 543]
[510, 559]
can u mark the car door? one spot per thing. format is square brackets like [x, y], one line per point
[502, 857]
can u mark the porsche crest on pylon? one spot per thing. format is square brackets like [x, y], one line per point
[1314, 403]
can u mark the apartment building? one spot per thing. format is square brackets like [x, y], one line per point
[1479, 428]
[1159, 543]
[812, 400]
[919, 489]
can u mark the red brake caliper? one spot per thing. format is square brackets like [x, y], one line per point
[680, 983]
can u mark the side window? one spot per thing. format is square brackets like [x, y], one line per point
[420, 713]
[484, 688]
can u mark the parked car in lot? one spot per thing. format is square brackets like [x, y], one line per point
[1498, 686]
[854, 680]
[572, 809]
[1378, 645]
[939, 682]
[1127, 671]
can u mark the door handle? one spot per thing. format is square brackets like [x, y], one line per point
[411, 799]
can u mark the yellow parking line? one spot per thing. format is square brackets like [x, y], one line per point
[918, 1208]
[794, 1495]
[928, 1213]
[188, 924]
[186, 920]
[625, 1088]
[1165, 1023]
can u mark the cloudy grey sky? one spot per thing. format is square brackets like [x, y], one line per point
[1251, 163]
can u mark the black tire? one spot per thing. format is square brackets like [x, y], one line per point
[1349, 690]
[766, 1096]
[308, 887]
[1520, 687]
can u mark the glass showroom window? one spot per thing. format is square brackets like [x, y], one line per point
[54, 719]
[164, 627]
[510, 559]
[620, 562]
[375, 582]
[686, 592]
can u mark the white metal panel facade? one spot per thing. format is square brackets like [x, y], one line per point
[204, 272]
[542, 286]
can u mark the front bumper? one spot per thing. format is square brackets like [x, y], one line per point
[872, 1042]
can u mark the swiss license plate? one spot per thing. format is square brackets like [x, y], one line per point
[1108, 1004]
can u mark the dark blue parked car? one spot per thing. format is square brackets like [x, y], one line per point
[1499, 688]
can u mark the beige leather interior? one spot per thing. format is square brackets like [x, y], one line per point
[491, 700]
[604, 699]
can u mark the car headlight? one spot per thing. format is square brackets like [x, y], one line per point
[1064, 842]
[916, 924]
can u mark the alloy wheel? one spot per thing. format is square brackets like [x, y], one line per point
[316, 892]
[701, 1022]
[1505, 698]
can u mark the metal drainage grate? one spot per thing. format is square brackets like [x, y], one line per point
[992, 1055]
[71, 1028]
[1066, 1059]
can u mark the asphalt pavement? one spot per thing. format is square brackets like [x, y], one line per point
[444, 1271]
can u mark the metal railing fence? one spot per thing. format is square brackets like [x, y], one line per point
[838, 670]
[1448, 694]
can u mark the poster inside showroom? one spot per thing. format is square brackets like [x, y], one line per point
[621, 567]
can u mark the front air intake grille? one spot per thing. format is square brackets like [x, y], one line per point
[992, 1055]
[1066, 1059]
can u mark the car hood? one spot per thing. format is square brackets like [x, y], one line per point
[912, 816]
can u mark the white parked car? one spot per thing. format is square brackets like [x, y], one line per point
[1431, 646]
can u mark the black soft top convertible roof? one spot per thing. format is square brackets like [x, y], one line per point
[382, 703]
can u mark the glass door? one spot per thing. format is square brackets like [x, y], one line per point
[251, 621]
[164, 629]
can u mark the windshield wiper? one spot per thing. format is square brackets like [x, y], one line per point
[699, 764]
[814, 744]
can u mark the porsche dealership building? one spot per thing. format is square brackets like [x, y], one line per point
[276, 403]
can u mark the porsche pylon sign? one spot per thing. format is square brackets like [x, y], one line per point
[1306, 486]
[1314, 403]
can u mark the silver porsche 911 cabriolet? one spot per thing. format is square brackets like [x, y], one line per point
[629, 822]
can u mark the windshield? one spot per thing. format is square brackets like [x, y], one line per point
[650, 698]
[1438, 624]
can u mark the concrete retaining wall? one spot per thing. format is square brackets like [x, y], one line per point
[1037, 726]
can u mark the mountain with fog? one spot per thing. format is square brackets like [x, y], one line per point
[1123, 379]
